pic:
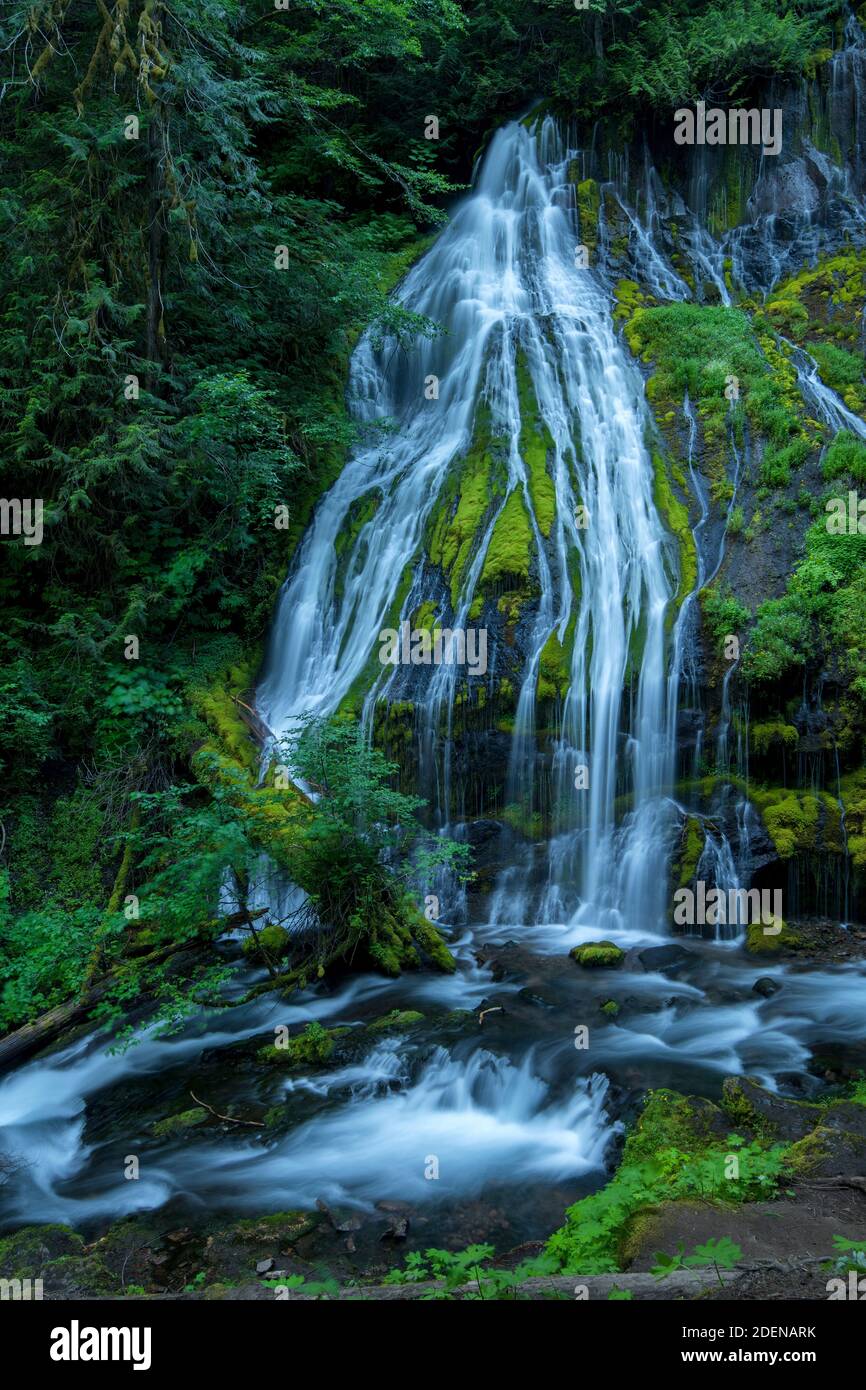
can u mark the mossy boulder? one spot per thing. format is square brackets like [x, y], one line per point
[827, 1153]
[312, 1048]
[271, 940]
[764, 940]
[397, 1018]
[595, 955]
[670, 1120]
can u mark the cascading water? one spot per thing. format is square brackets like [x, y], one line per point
[503, 280]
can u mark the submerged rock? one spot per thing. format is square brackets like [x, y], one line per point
[766, 986]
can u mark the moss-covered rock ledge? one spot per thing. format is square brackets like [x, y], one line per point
[754, 1148]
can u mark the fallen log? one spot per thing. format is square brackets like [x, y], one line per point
[29, 1038]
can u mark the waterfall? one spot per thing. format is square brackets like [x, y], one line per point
[826, 403]
[504, 283]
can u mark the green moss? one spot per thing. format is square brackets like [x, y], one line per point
[677, 1150]
[597, 955]
[853, 793]
[761, 943]
[610, 1007]
[741, 1112]
[359, 515]
[774, 732]
[691, 849]
[432, 944]
[179, 1124]
[272, 939]
[397, 1018]
[629, 298]
[707, 350]
[509, 553]
[220, 707]
[809, 1152]
[554, 665]
[588, 208]
[286, 1227]
[87, 1275]
[526, 821]
[669, 1120]
[313, 1048]
[456, 528]
[799, 823]
[812, 305]
[535, 446]
[676, 517]
[794, 820]
[26, 1253]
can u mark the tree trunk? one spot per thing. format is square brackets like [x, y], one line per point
[156, 250]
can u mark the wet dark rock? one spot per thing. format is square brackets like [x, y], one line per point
[398, 1229]
[339, 1221]
[263, 1266]
[828, 1139]
[527, 997]
[479, 832]
[495, 966]
[766, 986]
[455, 1024]
[181, 1237]
[667, 958]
